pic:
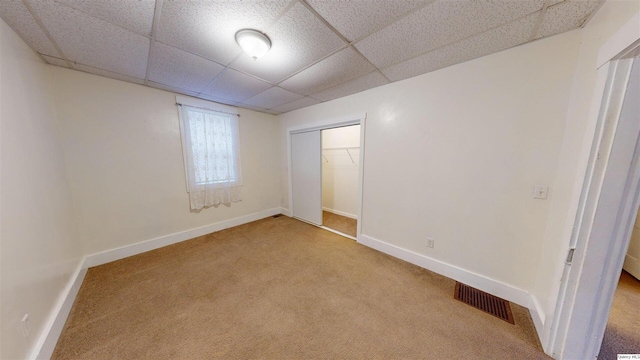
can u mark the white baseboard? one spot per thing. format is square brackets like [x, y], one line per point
[537, 315]
[46, 343]
[486, 284]
[148, 245]
[632, 266]
[285, 211]
[341, 213]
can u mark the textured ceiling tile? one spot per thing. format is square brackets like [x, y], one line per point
[171, 89]
[371, 80]
[94, 42]
[177, 68]
[254, 108]
[271, 98]
[296, 104]
[439, 24]
[357, 18]
[108, 74]
[298, 39]
[208, 28]
[236, 86]
[55, 61]
[339, 67]
[218, 100]
[18, 17]
[566, 16]
[504, 37]
[134, 15]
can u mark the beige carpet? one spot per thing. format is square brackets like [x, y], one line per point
[279, 288]
[623, 328]
[339, 223]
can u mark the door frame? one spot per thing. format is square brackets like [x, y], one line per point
[605, 208]
[355, 119]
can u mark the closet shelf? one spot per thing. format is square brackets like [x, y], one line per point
[342, 148]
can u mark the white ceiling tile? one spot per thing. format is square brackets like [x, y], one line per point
[177, 68]
[439, 24]
[357, 18]
[171, 89]
[298, 39]
[254, 108]
[271, 98]
[108, 74]
[134, 15]
[234, 85]
[94, 42]
[504, 37]
[208, 28]
[339, 67]
[18, 17]
[371, 80]
[566, 16]
[295, 105]
[218, 100]
[55, 61]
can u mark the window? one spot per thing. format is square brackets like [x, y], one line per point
[211, 154]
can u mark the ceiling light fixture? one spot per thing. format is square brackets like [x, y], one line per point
[253, 42]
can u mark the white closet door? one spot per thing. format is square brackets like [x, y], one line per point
[306, 175]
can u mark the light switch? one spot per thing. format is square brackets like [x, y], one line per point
[540, 191]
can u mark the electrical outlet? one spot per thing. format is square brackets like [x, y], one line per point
[430, 242]
[26, 326]
[540, 191]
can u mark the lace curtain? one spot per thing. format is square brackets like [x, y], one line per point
[212, 157]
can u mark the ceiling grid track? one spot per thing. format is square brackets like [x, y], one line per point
[335, 31]
[536, 28]
[154, 26]
[458, 41]
[230, 65]
[46, 32]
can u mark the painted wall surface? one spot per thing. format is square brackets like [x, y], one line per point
[576, 141]
[339, 172]
[455, 155]
[123, 149]
[40, 249]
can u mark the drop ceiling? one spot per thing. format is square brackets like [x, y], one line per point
[321, 49]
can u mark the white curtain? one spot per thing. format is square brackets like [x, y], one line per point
[212, 157]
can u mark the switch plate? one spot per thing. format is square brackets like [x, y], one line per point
[540, 192]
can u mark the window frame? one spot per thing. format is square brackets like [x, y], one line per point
[211, 107]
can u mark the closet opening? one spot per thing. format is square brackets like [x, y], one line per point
[326, 162]
[340, 179]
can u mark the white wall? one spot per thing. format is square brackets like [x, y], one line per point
[576, 144]
[339, 172]
[40, 248]
[455, 154]
[123, 149]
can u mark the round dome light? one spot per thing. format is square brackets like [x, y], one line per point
[253, 42]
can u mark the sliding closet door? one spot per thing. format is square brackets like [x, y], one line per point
[306, 176]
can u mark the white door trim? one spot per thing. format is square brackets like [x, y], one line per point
[355, 119]
[605, 212]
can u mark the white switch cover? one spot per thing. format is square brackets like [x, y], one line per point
[540, 191]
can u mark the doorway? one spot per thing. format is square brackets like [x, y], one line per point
[325, 177]
[606, 213]
[340, 170]
[622, 334]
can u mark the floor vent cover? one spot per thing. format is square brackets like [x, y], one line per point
[277, 216]
[488, 303]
